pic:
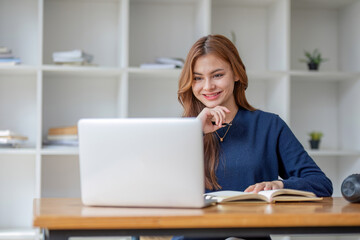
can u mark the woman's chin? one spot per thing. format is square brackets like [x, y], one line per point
[211, 104]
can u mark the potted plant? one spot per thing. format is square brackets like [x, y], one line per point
[313, 59]
[315, 138]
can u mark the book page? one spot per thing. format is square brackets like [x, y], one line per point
[288, 195]
[222, 196]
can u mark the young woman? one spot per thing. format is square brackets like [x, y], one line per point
[245, 149]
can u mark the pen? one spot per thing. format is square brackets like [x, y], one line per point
[223, 124]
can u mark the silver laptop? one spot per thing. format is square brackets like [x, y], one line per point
[142, 162]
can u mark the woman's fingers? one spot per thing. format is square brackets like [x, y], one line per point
[250, 188]
[265, 186]
[209, 115]
[221, 113]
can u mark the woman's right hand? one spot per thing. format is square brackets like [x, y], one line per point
[209, 115]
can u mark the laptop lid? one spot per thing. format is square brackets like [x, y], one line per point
[141, 162]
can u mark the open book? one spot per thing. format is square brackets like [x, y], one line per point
[269, 196]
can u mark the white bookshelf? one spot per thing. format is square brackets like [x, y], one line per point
[271, 36]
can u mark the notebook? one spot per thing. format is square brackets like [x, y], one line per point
[142, 162]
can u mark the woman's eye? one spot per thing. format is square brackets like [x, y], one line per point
[197, 78]
[218, 75]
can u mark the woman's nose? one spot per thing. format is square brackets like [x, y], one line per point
[208, 84]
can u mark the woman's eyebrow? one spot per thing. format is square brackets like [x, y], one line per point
[216, 70]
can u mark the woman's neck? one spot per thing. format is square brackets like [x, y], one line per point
[231, 115]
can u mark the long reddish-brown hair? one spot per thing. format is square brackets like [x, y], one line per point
[224, 49]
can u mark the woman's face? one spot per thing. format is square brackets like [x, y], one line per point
[213, 82]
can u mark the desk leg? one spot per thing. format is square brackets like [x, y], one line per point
[65, 235]
[56, 235]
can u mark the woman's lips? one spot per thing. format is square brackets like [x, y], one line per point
[212, 96]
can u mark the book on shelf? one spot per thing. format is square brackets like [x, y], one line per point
[269, 196]
[6, 55]
[62, 137]
[9, 61]
[74, 56]
[67, 130]
[4, 49]
[67, 136]
[5, 133]
[11, 135]
[179, 62]
[15, 137]
[67, 142]
[7, 58]
[8, 137]
[77, 53]
[158, 66]
[164, 63]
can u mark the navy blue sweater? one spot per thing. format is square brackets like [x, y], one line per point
[259, 147]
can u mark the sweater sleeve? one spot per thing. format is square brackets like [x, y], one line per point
[297, 169]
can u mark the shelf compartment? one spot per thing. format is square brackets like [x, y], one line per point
[67, 98]
[169, 27]
[314, 107]
[255, 23]
[19, 29]
[60, 176]
[269, 92]
[17, 185]
[153, 95]
[92, 26]
[18, 108]
[329, 26]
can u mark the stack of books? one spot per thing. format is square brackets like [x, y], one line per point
[7, 58]
[74, 57]
[66, 136]
[164, 63]
[10, 138]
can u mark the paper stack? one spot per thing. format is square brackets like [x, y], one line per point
[164, 63]
[10, 138]
[62, 136]
[7, 58]
[74, 57]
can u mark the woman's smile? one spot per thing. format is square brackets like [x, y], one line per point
[212, 96]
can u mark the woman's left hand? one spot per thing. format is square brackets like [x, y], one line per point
[265, 186]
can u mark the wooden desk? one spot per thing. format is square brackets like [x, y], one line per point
[62, 218]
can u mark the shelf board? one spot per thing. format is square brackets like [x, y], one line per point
[244, 3]
[17, 151]
[265, 75]
[19, 234]
[18, 69]
[333, 153]
[163, 72]
[82, 70]
[59, 150]
[323, 76]
[320, 4]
